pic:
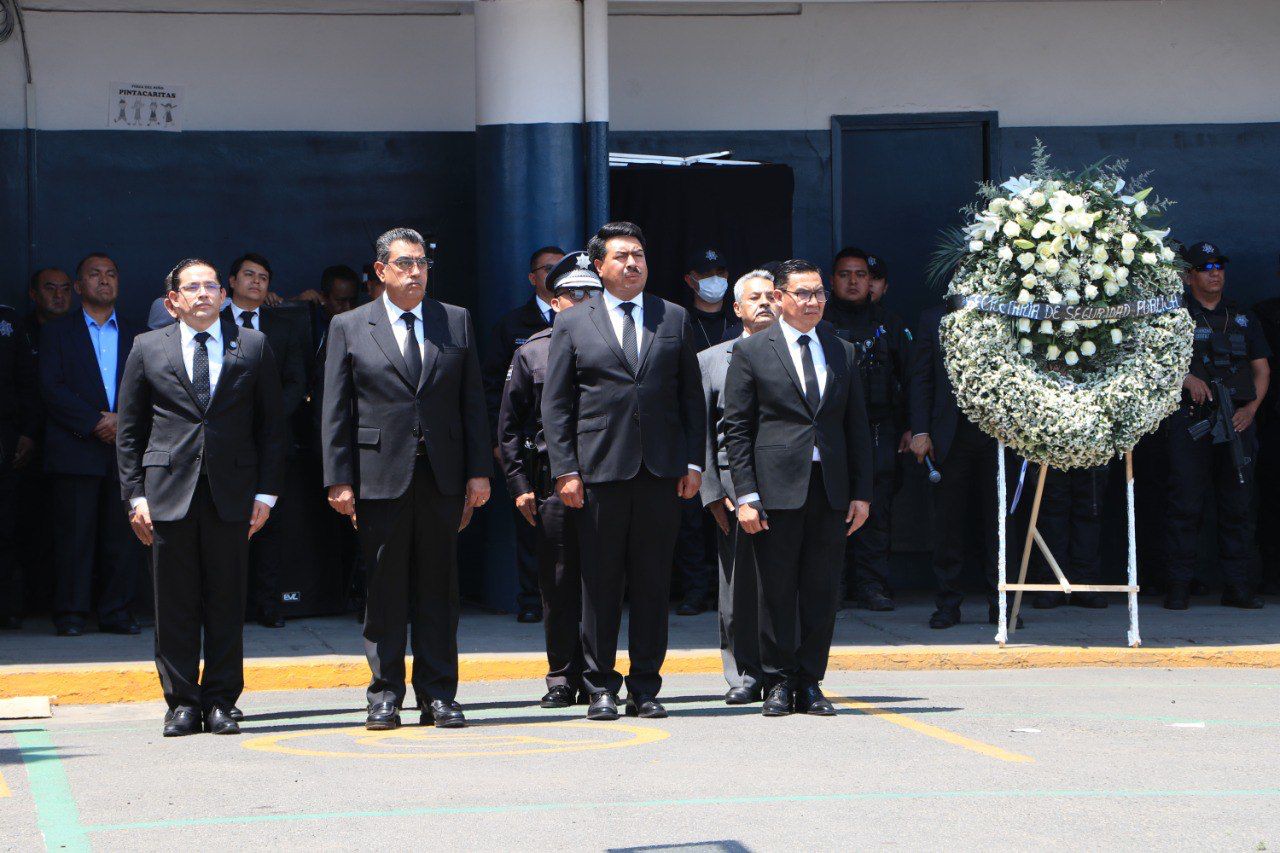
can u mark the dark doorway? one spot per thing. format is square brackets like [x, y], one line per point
[743, 211]
[899, 181]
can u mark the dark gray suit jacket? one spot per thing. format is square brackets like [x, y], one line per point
[770, 430]
[373, 416]
[717, 478]
[164, 439]
[601, 420]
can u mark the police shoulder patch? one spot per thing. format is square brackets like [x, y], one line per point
[6, 329]
[1242, 321]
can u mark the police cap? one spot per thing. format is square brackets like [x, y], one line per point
[574, 272]
[1201, 253]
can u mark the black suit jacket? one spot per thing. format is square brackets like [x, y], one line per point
[165, 439]
[74, 396]
[601, 420]
[372, 413]
[932, 400]
[770, 430]
[288, 340]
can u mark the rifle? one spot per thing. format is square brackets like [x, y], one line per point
[1222, 426]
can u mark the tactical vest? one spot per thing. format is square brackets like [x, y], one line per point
[1221, 351]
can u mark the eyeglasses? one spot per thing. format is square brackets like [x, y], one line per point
[195, 289]
[406, 264]
[544, 269]
[1208, 267]
[807, 295]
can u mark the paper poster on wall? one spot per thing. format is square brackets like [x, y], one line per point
[144, 106]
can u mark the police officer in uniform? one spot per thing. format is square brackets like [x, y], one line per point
[19, 424]
[524, 462]
[883, 346]
[1230, 348]
[509, 334]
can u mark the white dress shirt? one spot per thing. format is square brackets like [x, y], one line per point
[792, 337]
[214, 347]
[544, 308]
[255, 322]
[398, 326]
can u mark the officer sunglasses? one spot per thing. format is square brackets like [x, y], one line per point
[1207, 267]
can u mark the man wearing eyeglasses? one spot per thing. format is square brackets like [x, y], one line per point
[200, 448]
[797, 441]
[1229, 347]
[510, 333]
[407, 457]
[523, 449]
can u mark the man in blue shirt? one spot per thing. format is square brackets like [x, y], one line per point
[82, 355]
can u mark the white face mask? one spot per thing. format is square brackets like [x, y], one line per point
[712, 289]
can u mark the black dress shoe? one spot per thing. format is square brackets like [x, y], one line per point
[269, 619]
[742, 696]
[529, 615]
[779, 702]
[1177, 598]
[70, 628]
[1048, 600]
[1241, 599]
[809, 700]
[119, 623]
[876, 601]
[604, 706]
[645, 706]
[559, 696]
[219, 722]
[382, 717]
[181, 721]
[945, 617]
[443, 714]
[993, 614]
[235, 713]
[1088, 600]
[689, 607]
[10, 623]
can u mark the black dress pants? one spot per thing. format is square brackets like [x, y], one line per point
[96, 540]
[528, 572]
[867, 550]
[799, 560]
[410, 547]
[1071, 524]
[266, 552]
[627, 532]
[560, 579]
[200, 565]
[690, 559]
[11, 567]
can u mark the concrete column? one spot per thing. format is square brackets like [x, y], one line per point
[595, 70]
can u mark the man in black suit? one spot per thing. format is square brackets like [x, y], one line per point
[623, 418]
[407, 456]
[796, 436]
[200, 447]
[249, 282]
[509, 334]
[82, 356]
[967, 456]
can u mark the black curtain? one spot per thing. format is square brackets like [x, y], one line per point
[743, 211]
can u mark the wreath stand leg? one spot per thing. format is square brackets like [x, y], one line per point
[1009, 623]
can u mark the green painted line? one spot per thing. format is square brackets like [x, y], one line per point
[697, 802]
[57, 815]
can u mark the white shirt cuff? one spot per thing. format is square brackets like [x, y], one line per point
[269, 500]
[570, 474]
[918, 434]
[746, 499]
[697, 468]
[134, 503]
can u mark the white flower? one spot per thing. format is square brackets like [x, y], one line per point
[1040, 229]
[1029, 281]
[1071, 357]
[1102, 235]
[976, 245]
[1024, 297]
[1052, 353]
[1090, 291]
[1090, 324]
[1088, 348]
[1126, 255]
[1121, 274]
[1046, 327]
[1078, 220]
[1128, 240]
[1111, 288]
[1024, 324]
[1072, 296]
[1024, 346]
[1097, 271]
[1011, 229]
[1070, 276]
[1026, 259]
[1052, 266]
[1036, 199]
[1081, 243]
[1069, 327]
[1005, 253]
[1099, 253]
[1156, 238]
[1150, 259]
[1054, 297]
[1140, 209]
[998, 205]
[1116, 336]
[1018, 205]
[1166, 254]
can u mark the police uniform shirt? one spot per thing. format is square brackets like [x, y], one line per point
[1228, 318]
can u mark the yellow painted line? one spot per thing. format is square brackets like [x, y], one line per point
[4, 787]
[77, 684]
[934, 731]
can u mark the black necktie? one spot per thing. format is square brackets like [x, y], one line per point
[412, 354]
[811, 392]
[200, 370]
[629, 348]
[246, 319]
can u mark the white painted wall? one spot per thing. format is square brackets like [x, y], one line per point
[1066, 62]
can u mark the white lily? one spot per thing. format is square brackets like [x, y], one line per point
[1011, 229]
[1088, 348]
[1025, 260]
[1004, 253]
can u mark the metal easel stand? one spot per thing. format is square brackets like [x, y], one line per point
[1007, 622]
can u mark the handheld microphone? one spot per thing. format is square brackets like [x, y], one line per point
[935, 476]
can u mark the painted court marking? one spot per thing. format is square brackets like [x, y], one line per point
[933, 731]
